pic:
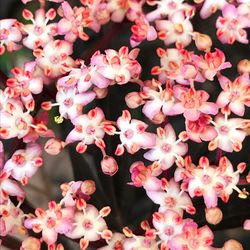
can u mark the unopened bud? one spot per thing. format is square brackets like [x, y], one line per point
[109, 165]
[88, 187]
[54, 146]
[159, 118]
[202, 41]
[232, 245]
[133, 100]
[100, 93]
[244, 66]
[31, 243]
[246, 224]
[213, 215]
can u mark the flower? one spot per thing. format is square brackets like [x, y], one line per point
[210, 6]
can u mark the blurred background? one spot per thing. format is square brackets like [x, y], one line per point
[130, 205]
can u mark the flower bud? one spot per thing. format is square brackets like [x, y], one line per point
[109, 165]
[31, 243]
[88, 187]
[246, 224]
[133, 100]
[232, 245]
[100, 93]
[244, 66]
[159, 118]
[202, 41]
[213, 215]
[54, 146]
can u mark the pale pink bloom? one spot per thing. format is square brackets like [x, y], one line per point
[158, 100]
[206, 181]
[39, 32]
[201, 129]
[120, 67]
[133, 135]
[177, 29]
[244, 10]
[167, 148]
[230, 133]
[235, 94]
[168, 224]
[55, 1]
[11, 221]
[24, 163]
[55, 58]
[230, 27]
[87, 223]
[171, 197]
[73, 22]
[9, 187]
[51, 222]
[210, 6]
[145, 176]
[168, 8]
[140, 242]
[211, 64]
[142, 30]
[9, 35]
[193, 238]
[88, 127]
[246, 224]
[116, 242]
[71, 103]
[192, 103]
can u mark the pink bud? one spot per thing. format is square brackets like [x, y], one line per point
[31, 243]
[54, 146]
[246, 224]
[244, 66]
[232, 245]
[159, 118]
[88, 187]
[202, 41]
[109, 165]
[213, 215]
[133, 100]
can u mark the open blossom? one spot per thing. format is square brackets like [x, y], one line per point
[210, 6]
[177, 29]
[133, 135]
[9, 35]
[171, 197]
[51, 222]
[54, 59]
[192, 103]
[230, 133]
[120, 67]
[193, 238]
[116, 242]
[11, 220]
[24, 163]
[211, 64]
[142, 30]
[167, 148]
[73, 22]
[235, 94]
[39, 33]
[230, 27]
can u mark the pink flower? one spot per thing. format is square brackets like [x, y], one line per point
[230, 133]
[142, 30]
[235, 94]
[133, 135]
[139, 242]
[116, 242]
[193, 103]
[55, 58]
[31, 243]
[51, 222]
[178, 29]
[192, 238]
[24, 163]
[120, 67]
[210, 6]
[211, 64]
[246, 224]
[167, 148]
[39, 32]
[73, 22]
[10, 34]
[171, 197]
[231, 26]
